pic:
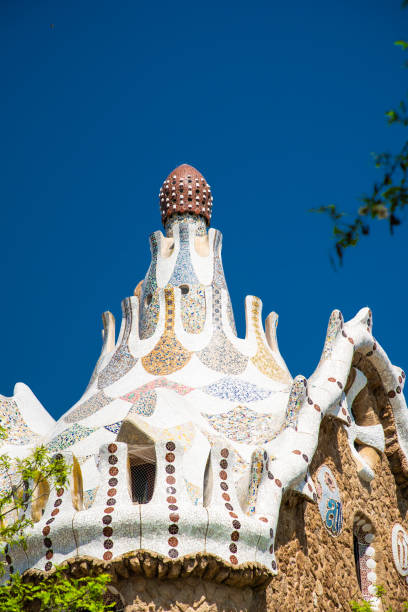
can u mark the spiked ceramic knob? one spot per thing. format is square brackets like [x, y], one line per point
[185, 190]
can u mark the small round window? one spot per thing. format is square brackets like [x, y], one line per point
[184, 289]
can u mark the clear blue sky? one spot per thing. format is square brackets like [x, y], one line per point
[278, 104]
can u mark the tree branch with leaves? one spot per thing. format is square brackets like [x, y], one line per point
[388, 198]
[25, 481]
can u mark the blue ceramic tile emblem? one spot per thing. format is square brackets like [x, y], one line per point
[329, 501]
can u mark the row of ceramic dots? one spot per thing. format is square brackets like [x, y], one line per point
[165, 193]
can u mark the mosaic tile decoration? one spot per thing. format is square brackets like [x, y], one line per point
[263, 359]
[296, 398]
[364, 554]
[179, 433]
[223, 526]
[236, 390]
[220, 354]
[399, 539]
[149, 306]
[145, 405]
[17, 430]
[150, 282]
[157, 383]
[87, 408]
[188, 219]
[194, 492]
[219, 278]
[69, 436]
[332, 330]
[89, 497]
[242, 424]
[108, 327]
[329, 501]
[120, 364]
[149, 316]
[183, 273]
[193, 309]
[257, 466]
[168, 355]
[114, 427]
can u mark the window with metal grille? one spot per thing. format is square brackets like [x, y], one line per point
[142, 477]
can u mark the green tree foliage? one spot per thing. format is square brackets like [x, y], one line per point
[387, 199]
[364, 606]
[57, 592]
[26, 477]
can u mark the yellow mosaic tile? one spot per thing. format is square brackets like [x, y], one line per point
[168, 355]
[263, 359]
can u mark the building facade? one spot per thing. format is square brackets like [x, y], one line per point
[204, 476]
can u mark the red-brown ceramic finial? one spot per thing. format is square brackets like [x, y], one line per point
[185, 190]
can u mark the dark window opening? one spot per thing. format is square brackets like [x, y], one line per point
[142, 476]
[357, 558]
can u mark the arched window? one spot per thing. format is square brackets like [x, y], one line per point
[364, 556]
[142, 472]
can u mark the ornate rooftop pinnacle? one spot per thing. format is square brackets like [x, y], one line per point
[185, 190]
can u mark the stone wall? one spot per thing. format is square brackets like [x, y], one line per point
[188, 595]
[318, 570]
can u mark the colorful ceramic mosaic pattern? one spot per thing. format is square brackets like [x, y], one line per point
[180, 433]
[69, 437]
[89, 497]
[183, 272]
[242, 424]
[332, 329]
[145, 405]
[219, 277]
[296, 397]
[329, 501]
[255, 479]
[194, 492]
[188, 219]
[87, 408]
[263, 359]
[114, 427]
[149, 302]
[236, 390]
[220, 354]
[135, 396]
[150, 281]
[150, 316]
[193, 309]
[16, 428]
[120, 364]
[168, 355]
